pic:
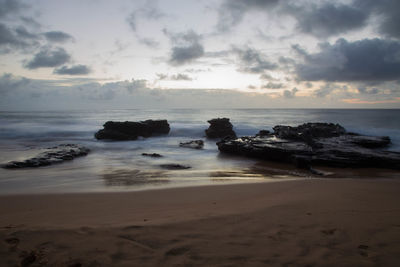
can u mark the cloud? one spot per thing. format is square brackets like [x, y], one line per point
[186, 47]
[73, 70]
[57, 36]
[149, 11]
[364, 60]
[9, 7]
[369, 91]
[327, 19]
[231, 13]
[290, 93]
[48, 57]
[387, 13]
[271, 85]
[10, 83]
[149, 42]
[253, 61]
[174, 77]
[371, 102]
[135, 85]
[16, 39]
[7, 37]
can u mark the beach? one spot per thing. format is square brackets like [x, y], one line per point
[306, 222]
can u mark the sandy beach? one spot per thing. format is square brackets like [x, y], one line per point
[314, 222]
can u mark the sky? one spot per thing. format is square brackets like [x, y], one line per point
[100, 54]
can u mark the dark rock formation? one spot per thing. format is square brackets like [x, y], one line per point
[263, 133]
[50, 156]
[130, 130]
[174, 166]
[315, 143]
[196, 144]
[152, 155]
[220, 128]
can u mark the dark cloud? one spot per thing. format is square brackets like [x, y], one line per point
[231, 13]
[9, 7]
[13, 39]
[48, 57]
[57, 36]
[23, 33]
[253, 61]
[186, 48]
[387, 13]
[7, 36]
[290, 93]
[328, 19]
[10, 83]
[364, 60]
[73, 70]
[369, 91]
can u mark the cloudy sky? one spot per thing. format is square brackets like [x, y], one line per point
[207, 53]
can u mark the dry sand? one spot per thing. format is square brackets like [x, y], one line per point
[318, 222]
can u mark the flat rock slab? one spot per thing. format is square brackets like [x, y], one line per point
[130, 130]
[152, 155]
[52, 155]
[174, 166]
[196, 144]
[315, 143]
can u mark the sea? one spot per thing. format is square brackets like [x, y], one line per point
[120, 166]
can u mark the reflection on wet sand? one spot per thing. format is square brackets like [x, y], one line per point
[127, 177]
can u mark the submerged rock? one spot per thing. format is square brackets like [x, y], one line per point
[220, 128]
[130, 130]
[196, 144]
[315, 144]
[57, 154]
[174, 166]
[152, 155]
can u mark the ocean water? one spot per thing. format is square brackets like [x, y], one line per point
[119, 166]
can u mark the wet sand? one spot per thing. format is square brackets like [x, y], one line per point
[310, 222]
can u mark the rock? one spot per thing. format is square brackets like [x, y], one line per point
[174, 166]
[220, 128]
[153, 155]
[370, 141]
[263, 133]
[57, 154]
[308, 130]
[315, 144]
[129, 130]
[196, 144]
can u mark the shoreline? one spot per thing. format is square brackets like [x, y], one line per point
[327, 222]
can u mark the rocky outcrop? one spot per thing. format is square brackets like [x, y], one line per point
[174, 166]
[52, 155]
[220, 128]
[152, 155]
[130, 130]
[196, 144]
[315, 144]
